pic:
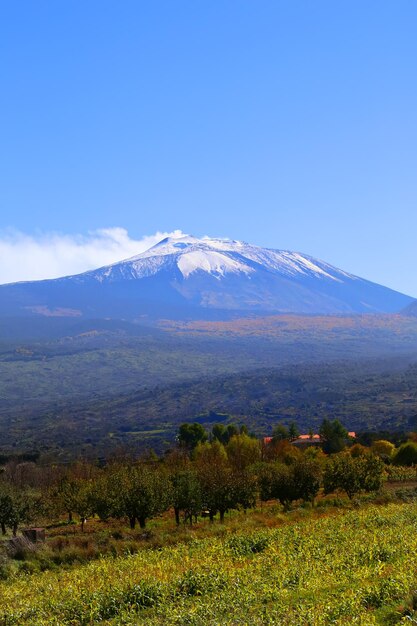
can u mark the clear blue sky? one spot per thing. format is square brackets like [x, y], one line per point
[287, 123]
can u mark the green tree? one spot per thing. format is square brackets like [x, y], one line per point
[265, 473]
[215, 476]
[190, 435]
[17, 506]
[283, 484]
[293, 431]
[306, 478]
[280, 433]
[406, 454]
[244, 485]
[384, 449]
[353, 474]
[334, 436]
[83, 503]
[102, 496]
[224, 433]
[142, 492]
[186, 494]
[65, 495]
[6, 508]
[243, 451]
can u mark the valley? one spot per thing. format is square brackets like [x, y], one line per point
[98, 386]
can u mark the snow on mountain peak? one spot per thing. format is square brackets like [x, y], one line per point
[192, 254]
[211, 262]
[218, 257]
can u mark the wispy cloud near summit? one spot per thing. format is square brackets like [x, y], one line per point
[50, 255]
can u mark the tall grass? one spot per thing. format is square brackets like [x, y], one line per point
[353, 568]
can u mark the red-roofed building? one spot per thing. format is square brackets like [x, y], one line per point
[307, 439]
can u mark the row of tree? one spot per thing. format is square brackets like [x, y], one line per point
[210, 479]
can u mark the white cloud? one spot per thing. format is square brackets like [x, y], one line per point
[50, 255]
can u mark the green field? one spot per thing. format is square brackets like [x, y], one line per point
[355, 567]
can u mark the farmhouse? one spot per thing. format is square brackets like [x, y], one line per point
[309, 439]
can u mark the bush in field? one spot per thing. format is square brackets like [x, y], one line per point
[406, 454]
[401, 473]
[353, 474]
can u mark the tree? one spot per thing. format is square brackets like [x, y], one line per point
[293, 431]
[215, 478]
[17, 506]
[243, 451]
[103, 495]
[353, 474]
[286, 483]
[265, 473]
[219, 432]
[83, 503]
[186, 494]
[282, 487]
[372, 471]
[190, 435]
[306, 477]
[334, 436]
[224, 433]
[6, 507]
[141, 493]
[280, 433]
[65, 495]
[358, 450]
[287, 453]
[244, 485]
[384, 449]
[406, 454]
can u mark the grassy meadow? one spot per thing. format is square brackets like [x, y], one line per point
[350, 564]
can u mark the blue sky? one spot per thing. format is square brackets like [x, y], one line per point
[290, 124]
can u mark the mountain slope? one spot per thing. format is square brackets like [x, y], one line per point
[411, 309]
[194, 278]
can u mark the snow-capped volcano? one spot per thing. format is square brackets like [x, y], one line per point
[217, 257]
[187, 276]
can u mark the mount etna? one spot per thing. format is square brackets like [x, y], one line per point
[204, 278]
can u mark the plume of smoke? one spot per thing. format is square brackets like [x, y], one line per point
[50, 255]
